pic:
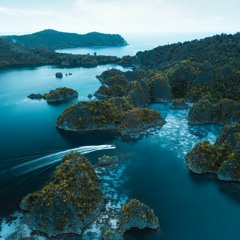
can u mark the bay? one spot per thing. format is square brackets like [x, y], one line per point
[189, 206]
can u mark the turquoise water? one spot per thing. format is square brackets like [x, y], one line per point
[153, 166]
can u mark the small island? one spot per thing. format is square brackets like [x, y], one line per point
[221, 158]
[56, 96]
[116, 115]
[53, 39]
[37, 96]
[73, 198]
[60, 95]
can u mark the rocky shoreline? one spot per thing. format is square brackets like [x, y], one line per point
[44, 210]
[115, 115]
[221, 158]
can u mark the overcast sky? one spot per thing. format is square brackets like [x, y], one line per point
[120, 16]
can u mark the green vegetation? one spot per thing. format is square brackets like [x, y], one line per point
[69, 201]
[222, 158]
[60, 94]
[222, 112]
[179, 104]
[116, 114]
[12, 55]
[142, 87]
[59, 40]
[207, 67]
[112, 87]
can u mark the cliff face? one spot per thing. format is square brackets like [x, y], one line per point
[70, 201]
[160, 89]
[115, 114]
[223, 112]
[142, 87]
[59, 40]
[222, 158]
[112, 87]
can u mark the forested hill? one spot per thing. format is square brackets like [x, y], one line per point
[59, 40]
[12, 55]
[218, 50]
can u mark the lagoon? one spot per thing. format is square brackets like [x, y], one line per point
[153, 168]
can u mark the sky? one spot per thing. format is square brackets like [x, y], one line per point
[120, 16]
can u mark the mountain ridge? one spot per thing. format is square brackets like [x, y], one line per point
[53, 39]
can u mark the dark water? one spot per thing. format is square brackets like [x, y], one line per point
[188, 206]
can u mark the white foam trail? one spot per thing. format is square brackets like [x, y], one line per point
[51, 159]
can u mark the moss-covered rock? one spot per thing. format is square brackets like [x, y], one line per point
[223, 112]
[68, 202]
[37, 96]
[60, 94]
[136, 214]
[222, 158]
[111, 234]
[112, 87]
[179, 104]
[58, 75]
[138, 92]
[106, 161]
[160, 88]
[201, 159]
[143, 87]
[115, 114]
[108, 74]
[139, 119]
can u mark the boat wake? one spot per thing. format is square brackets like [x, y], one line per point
[46, 162]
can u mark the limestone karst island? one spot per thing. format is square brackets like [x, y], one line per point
[120, 120]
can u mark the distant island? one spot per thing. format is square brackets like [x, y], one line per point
[12, 55]
[53, 39]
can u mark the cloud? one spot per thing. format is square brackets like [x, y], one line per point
[18, 11]
[122, 16]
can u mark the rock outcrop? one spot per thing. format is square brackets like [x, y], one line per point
[179, 104]
[70, 201]
[134, 214]
[112, 87]
[223, 112]
[60, 95]
[160, 88]
[37, 96]
[222, 158]
[115, 114]
[138, 92]
[58, 75]
[106, 161]
[143, 87]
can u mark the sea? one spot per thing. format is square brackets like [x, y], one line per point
[153, 168]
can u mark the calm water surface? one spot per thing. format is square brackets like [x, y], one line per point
[188, 206]
[139, 42]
